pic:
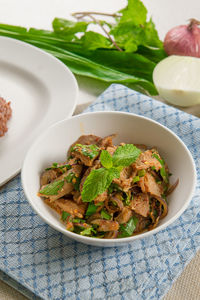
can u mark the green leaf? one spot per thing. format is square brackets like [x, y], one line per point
[78, 220]
[66, 27]
[52, 188]
[92, 208]
[88, 231]
[163, 171]
[105, 215]
[151, 37]
[97, 182]
[134, 12]
[65, 215]
[93, 40]
[141, 173]
[125, 155]
[127, 229]
[106, 159]
[136, 179]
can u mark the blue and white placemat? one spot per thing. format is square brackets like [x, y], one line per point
[40, 262]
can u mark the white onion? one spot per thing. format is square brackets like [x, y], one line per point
[177, 79]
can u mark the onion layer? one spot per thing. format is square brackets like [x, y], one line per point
[177, 79]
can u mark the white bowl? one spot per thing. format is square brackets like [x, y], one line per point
[53, 144]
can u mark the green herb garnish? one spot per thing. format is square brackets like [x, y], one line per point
[88, 231]
[71, 178]
[105, 215]
[125, 155]
[78, 220]
[92, 208]
[127, 229]
[99, 180]
[88, 150]
[136, 179]
[163, 171]
[106, 159]
[56, 166]
[65, 215]
[141, 173]
[52, 188]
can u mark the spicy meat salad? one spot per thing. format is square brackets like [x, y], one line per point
[108, 191]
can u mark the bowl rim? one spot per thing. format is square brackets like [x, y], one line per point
[107, 242]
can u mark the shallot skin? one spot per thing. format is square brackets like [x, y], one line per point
[183, 40]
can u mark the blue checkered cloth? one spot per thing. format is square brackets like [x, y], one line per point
[41, 262]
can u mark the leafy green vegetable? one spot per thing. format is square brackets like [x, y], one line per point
[52, 188]
[127, 230]
[113, 188]
[125, 155]
[67, 29]
[106, 159]
[65, 215]
[71, 178]
[90, 54]
[93, 40]
[92, 208]
[105, 215]
[97, 182]
[88, 231]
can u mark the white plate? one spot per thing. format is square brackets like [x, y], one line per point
[42, 90]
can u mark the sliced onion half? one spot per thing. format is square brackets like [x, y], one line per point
[177, 79]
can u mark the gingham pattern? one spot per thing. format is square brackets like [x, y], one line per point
[37, 259]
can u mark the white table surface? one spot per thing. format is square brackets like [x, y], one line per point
[165, 13]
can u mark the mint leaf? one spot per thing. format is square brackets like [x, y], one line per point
[125, 155]
[52, 188]
[127, 229]
[97, 182]
[106, 159]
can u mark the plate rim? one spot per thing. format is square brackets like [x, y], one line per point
[70, 111]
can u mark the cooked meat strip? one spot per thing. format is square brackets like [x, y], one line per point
[148, 184]
[89, 139]
[145, 161]
[101, 198]
[48, 176]
[111, 150]
[69, 206]
[111, 235]
[67, 187]
[126, 179]
[140, 204]
[106, 225]
[106, 141]
[124, 216]
[77, 197]
[85, 154]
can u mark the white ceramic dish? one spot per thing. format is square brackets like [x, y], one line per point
[42, 91]
[53, 144]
